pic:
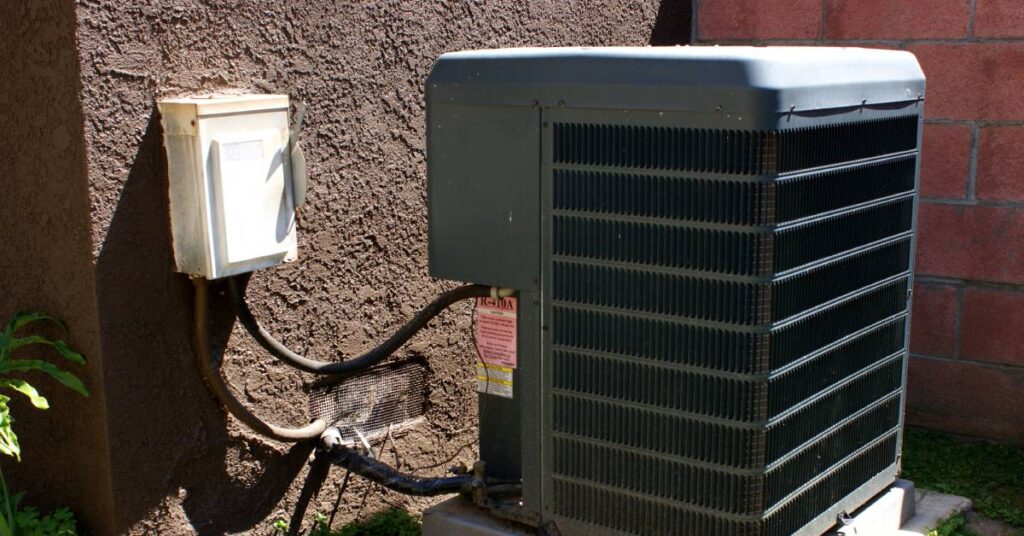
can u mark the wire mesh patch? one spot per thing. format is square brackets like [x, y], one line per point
[386, 397]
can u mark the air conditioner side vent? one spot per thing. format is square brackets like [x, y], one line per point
[727, 307]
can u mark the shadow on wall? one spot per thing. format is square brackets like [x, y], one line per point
[672, 24]
[167, 429]
[46, 257]
[168, 436]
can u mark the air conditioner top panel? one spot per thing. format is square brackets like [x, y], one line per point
[688, 78]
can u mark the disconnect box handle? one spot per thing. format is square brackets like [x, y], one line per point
[298, 159]
[298, 174]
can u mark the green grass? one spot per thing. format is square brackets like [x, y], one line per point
[990, 474]
[953, 526]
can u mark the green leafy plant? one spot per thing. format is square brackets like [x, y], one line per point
[60, 522]
[321, 526]
[26, 521]
[9, 342]
[955, 525]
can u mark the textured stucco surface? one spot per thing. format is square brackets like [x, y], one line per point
[45, 256]
[178, 465]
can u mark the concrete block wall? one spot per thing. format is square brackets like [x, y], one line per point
[967, 348]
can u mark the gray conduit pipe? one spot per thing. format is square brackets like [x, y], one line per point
[211, 374]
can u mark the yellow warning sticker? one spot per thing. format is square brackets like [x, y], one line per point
[494, 380]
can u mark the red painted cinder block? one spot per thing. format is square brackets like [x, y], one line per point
[897, 19]
[999, 18]
[933, 325]
[945, 161]
[971, 242]
[759, 19]
[974, 80]
[966, 398]
[1001, 164]
[992, 326]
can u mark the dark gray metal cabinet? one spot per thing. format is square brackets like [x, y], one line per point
[713, 248]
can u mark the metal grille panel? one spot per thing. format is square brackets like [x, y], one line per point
[734, 152]
[647, 429]
[728, 321]
[385, 397]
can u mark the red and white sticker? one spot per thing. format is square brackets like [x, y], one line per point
[496, 331]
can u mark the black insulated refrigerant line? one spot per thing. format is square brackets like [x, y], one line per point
[368, 359]
[210, 367]
[388, 476]
[330, 438]
[407, 484]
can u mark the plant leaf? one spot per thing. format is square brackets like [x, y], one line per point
[8, 439]
[16, 499]
[21, 319]
[26, 389]
[26, 365]
[62, 347]
[5, 526]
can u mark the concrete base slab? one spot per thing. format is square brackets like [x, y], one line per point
[885, 514]
[460, 516]
[900, 511]
[931, 508]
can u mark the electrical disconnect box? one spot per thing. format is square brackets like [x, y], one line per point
[232, 193]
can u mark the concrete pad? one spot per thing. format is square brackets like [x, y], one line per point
[884, 514]
[931, 508]
[459, 516]
[899, 511]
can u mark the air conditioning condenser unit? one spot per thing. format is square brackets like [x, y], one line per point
[713, 248]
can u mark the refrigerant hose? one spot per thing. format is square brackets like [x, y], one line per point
[330, 438]
[395, 480]
[210, 370]
[371, 357]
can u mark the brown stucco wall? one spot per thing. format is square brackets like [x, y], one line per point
[46, 256]
[103, 259]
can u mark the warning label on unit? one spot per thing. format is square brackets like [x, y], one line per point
[496, 331]
[494, 380]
